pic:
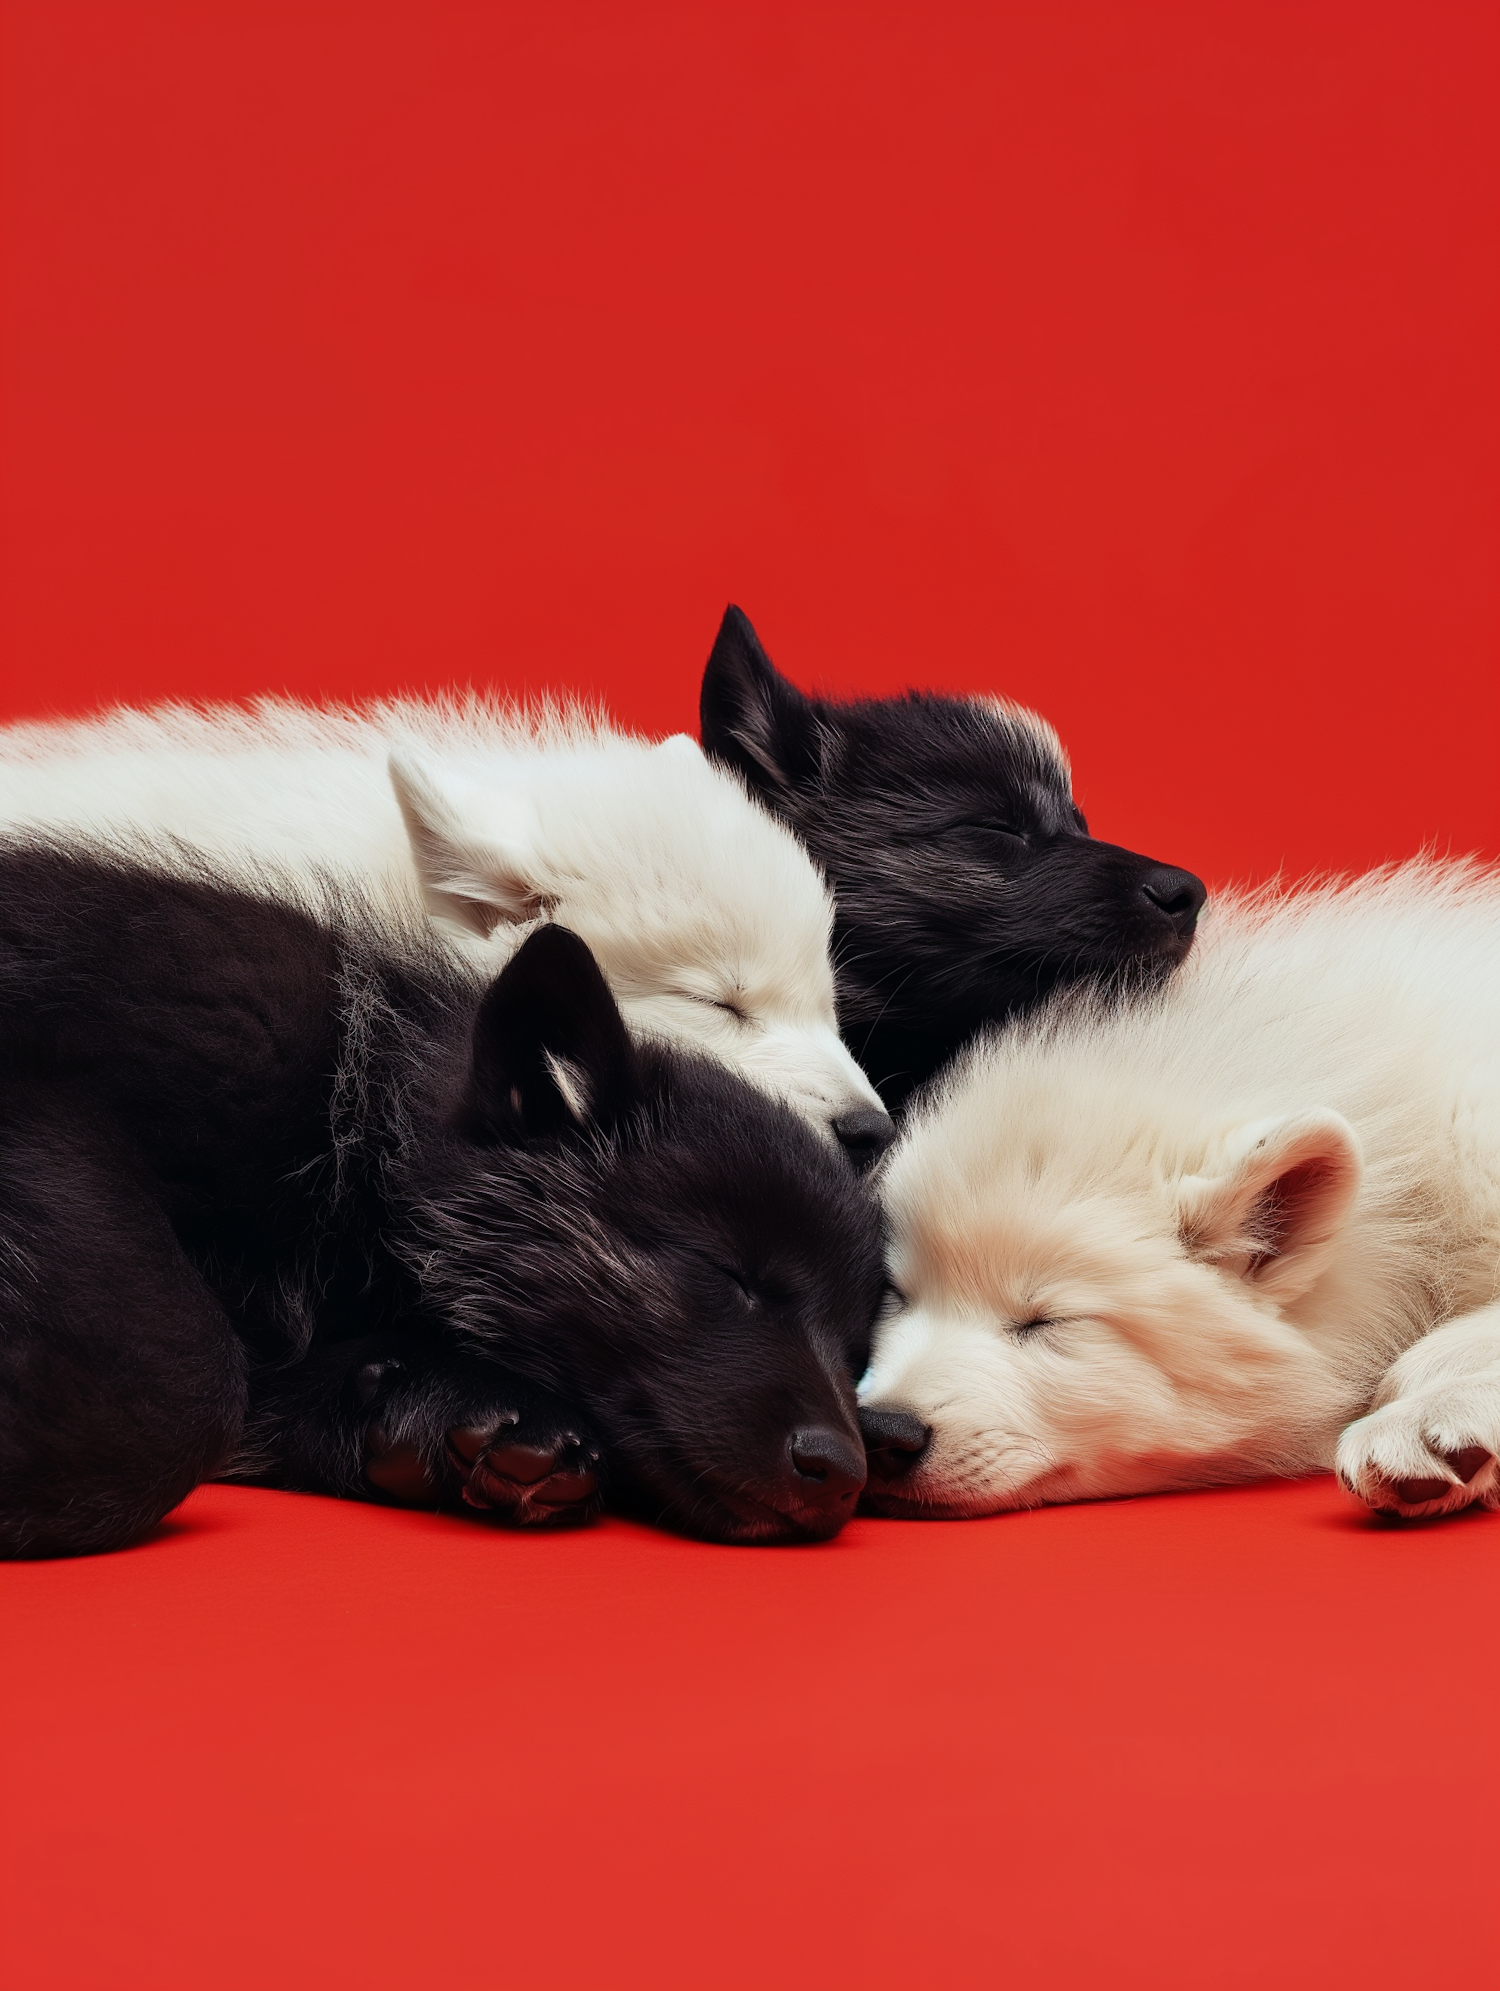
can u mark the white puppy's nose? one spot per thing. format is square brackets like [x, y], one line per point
[896, 1440]
[864, 1133]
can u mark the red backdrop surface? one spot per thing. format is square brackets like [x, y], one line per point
[1137, 360]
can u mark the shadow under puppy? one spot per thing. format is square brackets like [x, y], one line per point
[966, 884]
[304, 1199]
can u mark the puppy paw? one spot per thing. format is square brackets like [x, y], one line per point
[1425, 1456]
[503, 1448]
[524, 1472]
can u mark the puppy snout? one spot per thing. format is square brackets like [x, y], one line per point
[1178, 894]
[829, 1468]
[864, 1134]
[895, 1441]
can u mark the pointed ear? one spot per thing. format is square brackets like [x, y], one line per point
[551, 1052]
[474, 849]
[753, 721]
[1271, 1210]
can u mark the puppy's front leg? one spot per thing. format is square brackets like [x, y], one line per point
[1432, 1443]
[408, 1420]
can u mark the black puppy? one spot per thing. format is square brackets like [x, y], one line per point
[289, 1198]
[965, 879]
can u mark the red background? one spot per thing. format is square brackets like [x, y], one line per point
[1137, 360]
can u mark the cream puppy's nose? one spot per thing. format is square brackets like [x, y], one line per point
[864, 1133]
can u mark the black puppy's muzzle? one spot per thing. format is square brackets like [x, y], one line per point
[1109, 908]
[811, 1496]
[828, 1469]
[1178, 897]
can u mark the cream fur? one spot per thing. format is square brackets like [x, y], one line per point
[707, 917]
[1197, 1237]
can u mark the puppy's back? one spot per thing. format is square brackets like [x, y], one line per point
[1357, 992]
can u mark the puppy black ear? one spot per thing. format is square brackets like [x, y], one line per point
[753, 721]
[551, 1052]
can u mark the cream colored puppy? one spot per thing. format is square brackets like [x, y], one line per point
[1248, 1224]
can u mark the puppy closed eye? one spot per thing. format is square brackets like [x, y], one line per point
[998, 834]
[1033, 1324]
[892, 1302]
[726, 1005]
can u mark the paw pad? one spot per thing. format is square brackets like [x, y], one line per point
[1470, 1461]
[534, 1484]
[1466, 1464]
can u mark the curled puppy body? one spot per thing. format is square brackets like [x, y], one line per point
[305, 1200]
[1246, 1224]
[965, 881]
[710, 923]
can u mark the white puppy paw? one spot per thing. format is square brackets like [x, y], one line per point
[1426, 1455]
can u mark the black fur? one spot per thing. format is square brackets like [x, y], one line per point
[289, 1199]
[966, 882]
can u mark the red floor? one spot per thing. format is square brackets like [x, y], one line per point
[1135, 358]
[1230, 1739]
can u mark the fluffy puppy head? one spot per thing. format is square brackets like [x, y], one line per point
[710, 924]
[1093, 1294]
[639, 1229]
[966, 882]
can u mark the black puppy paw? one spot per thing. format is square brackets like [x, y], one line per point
[531, 1477]
[470, 1435]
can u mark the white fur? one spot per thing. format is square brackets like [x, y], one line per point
[707, 917]
[1251, 1208]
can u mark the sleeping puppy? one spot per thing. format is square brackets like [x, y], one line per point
[1246, 1224]
[711, 926]
[307, 1200]
[966, 884]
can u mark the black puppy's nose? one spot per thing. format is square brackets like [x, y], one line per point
[1178, 894]
[895, 1441]
[865, 1134]
[830, 1468]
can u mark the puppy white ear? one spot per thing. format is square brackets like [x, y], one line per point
[475, 850]
[1271, 1209]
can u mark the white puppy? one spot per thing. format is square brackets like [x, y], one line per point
[706, 915]
[1189, 1237]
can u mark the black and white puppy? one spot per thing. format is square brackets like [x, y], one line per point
[295, 1198]
[965, 880]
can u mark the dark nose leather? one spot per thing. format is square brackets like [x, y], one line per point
[1178, 894]
[829, 1468]
[895, 1441]
[864, 1135]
